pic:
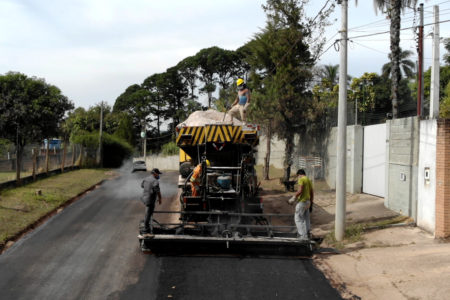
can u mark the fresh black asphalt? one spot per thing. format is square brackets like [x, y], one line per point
[90, 251]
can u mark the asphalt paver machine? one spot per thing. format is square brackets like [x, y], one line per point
[227, 215]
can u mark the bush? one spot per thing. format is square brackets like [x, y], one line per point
[5, 145]
[445, 104]
[115, 149]
[170, 149]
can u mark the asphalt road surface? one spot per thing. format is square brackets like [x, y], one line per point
[90, 251]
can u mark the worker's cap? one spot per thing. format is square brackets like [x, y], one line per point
[156, 171]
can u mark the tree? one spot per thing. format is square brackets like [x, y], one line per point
[406, 65]
[282, 57]
[125, 129]
[393, 8]
[444, 79]
[175, 93]
[330, 73]
[447, 47]
[444, 110]
[289, 81]
[207, 68]
[137, 102]
[30, 110]
[263, 104]
[187, 69]
[372, 93]
[227, 66]
[154, 86]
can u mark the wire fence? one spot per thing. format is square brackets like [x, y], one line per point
[37, 159]
[311, 150]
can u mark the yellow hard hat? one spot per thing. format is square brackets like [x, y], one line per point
[239, 81]
[208, 164]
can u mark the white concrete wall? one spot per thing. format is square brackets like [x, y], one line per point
[402, 136]
[354, 158]
[162, 162]
[426, 200]
[276, 152]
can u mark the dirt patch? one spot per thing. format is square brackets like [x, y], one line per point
[394, 263]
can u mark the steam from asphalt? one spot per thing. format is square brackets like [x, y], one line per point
[129, 184]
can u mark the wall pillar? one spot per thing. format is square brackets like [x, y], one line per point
[443, 179]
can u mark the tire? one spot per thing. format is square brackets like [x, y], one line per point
[185, 169]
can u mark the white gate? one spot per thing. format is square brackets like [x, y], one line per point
[374, 159]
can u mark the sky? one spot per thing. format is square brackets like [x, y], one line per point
[94, 49]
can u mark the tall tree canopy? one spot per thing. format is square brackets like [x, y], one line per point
[393, 8]
[286, 36]
[30, 110]
[406, 65]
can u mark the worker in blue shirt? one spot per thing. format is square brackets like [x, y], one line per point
[242, 100]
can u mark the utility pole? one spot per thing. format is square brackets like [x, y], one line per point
[420, 89]
[100, 148]
[341, 176]
[145, 142]
[434, 93]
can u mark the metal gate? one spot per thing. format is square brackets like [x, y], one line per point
[374, 160]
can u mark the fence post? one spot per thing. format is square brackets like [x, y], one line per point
[73, 156]
[64, 157]
[81, 156]
[46, 156]
[34, 163]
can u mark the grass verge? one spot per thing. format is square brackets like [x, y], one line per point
[11, 175]
[22, 207]
[354, 232]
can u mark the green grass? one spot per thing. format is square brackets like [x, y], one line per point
[21, 207]
[354, 232]
[8, 176]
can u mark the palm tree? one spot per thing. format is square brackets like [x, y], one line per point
[393, 8]
[406, 65]
[447, 47]
[330, 73]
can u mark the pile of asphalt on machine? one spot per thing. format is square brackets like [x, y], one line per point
[224, 214]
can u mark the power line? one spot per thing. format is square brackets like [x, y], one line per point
[327, 49]
[388, 31]
[373, 49]
[387, 22]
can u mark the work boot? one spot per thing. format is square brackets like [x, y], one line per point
[146, 230]
[302, 237]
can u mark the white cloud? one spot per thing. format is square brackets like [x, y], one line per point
[94, 49]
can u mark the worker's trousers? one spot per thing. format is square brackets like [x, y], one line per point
[302, 220]
[242, 109]
[195, 189]
[149, 209]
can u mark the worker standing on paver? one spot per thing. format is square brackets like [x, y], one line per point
[242, 100]
[151, 192]
[196, 179]
[305, 198]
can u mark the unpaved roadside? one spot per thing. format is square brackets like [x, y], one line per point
[393, 263]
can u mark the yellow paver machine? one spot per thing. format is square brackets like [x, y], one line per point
[225, 213]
